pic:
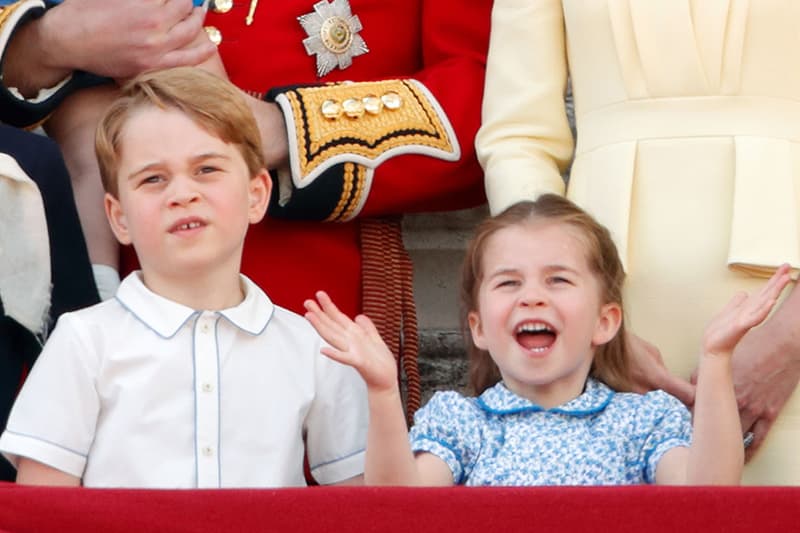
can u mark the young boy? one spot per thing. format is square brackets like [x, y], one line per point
[190, 376]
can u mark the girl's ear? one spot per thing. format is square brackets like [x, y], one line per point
[116, 218]
[260, 192]
[608, 323]
[476, 330]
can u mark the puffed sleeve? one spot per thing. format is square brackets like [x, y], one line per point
[392, 145]
[665, 423]
[54, 418]
[16, 110]
[449, 426]
[525, 143]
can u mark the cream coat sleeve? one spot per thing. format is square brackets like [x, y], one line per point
[525, 142]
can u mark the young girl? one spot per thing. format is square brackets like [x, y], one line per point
[542, 296]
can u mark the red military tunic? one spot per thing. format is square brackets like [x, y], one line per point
[377, 159]
[440, 43]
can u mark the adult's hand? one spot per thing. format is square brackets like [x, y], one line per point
[648, 371]
[114, 38]
[766, 370]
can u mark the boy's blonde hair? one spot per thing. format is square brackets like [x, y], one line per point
[611, 363]
[211, 102]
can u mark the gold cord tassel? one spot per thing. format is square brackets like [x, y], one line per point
[251, 14]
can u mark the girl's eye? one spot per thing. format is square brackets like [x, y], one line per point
[507, 283]
[557, 280]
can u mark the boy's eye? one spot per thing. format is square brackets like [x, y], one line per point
[152, 179]
[206, 169]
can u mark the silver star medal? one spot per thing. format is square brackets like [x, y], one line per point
[332, 35]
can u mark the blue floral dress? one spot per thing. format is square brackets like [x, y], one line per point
[600, 438]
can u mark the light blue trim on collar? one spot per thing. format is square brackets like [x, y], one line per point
[499, 400]
[254, 313]
[166, 318]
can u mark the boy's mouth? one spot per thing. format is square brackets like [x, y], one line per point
[186, 225]
[536, 336]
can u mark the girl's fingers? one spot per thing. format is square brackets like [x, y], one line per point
[776, 282]
[737, 300]
[763, 302]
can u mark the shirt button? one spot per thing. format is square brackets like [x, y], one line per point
[204, 327]
[208, 451]
[207, 387]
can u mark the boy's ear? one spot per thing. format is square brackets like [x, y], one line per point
[260, 192]
[476, 330]
[116, 219]
[608, 323]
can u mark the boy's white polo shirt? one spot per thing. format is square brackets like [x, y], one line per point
[140, 391]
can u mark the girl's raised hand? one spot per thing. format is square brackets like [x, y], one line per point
[742, 313]
[355, 343]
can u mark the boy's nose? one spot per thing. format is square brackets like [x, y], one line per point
[183, 192]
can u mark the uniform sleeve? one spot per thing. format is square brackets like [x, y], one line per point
[336, 424]
[28, 112]
[54, 418]
[449, 428]
[670, 427]
[393, 145]
[525, 142]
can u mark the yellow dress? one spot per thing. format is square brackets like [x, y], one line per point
[688, 124]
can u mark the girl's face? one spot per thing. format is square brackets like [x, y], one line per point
[539, 311]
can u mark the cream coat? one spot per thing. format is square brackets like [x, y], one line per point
[688, 126]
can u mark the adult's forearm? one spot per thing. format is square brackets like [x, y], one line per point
[785, 324]
[274, 137]
[29, 63]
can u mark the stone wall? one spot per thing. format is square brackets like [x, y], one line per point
[436, 244]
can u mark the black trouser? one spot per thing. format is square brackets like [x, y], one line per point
[71, 272]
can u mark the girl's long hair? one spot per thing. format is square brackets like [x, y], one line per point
[611, 360]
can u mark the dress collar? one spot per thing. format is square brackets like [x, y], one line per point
[166, 317]
[499, 400]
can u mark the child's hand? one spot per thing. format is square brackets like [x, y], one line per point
[357, 344]
[742, 313]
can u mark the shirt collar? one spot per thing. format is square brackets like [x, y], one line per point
[499, 400]
[166, 317]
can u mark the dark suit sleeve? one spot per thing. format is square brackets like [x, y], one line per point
[14, 109]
